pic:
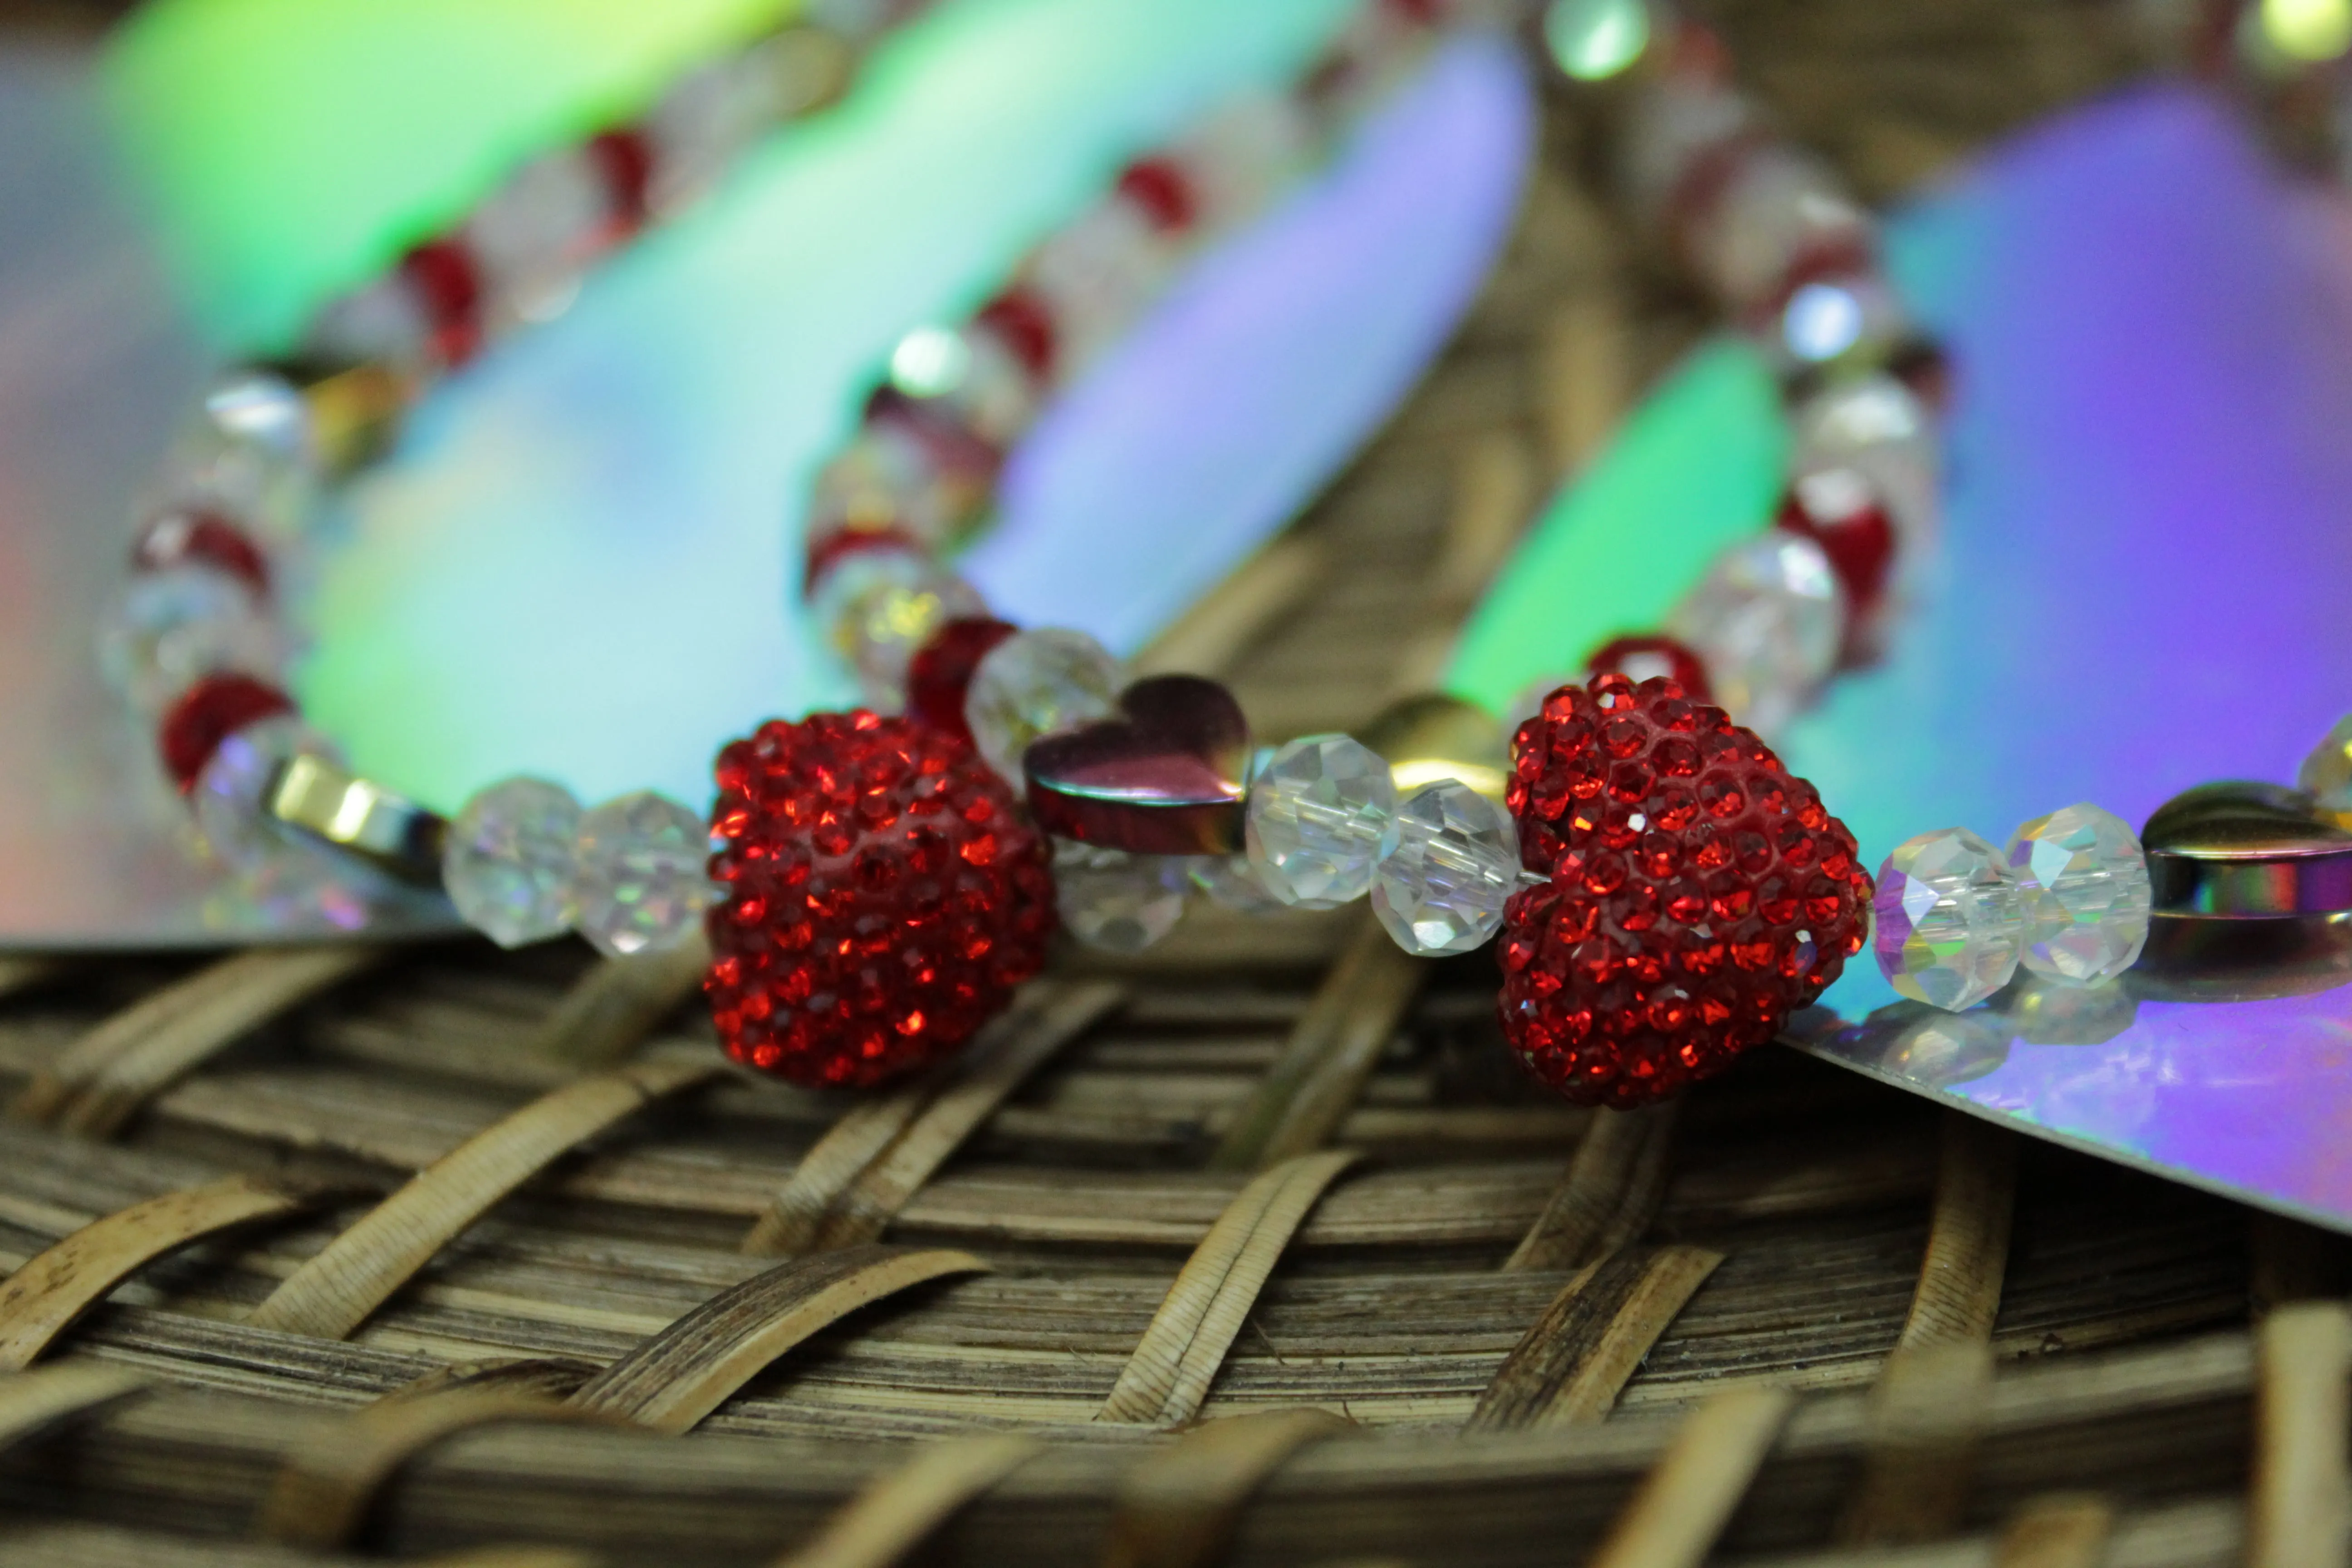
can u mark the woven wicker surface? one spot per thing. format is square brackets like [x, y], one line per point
[1255, 1250]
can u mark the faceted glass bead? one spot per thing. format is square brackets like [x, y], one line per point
[534, 234]
[880, 608]
[1778, 206]
[1454, 865]
[166, 630]
[2087, 887]
[707, 116]
[1951, 918]
[381, 320]
[939, 678]
[207, 713]
[1767, 620]
[507, 861]
[1321, 811]
[1230, 884]
[639, 874]
[971, 375]
[1097, 275]
[1116, 902]
[2327, 772]
[1243, 154]
[285, 871]
[1877, 427]
[1037, 683]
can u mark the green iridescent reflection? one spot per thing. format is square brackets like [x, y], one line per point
[1700, 463]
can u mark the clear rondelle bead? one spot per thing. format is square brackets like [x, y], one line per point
[879, 608]
[1037, 683]
[534, 234]
[284, 871]
[1878, 427]
[507, 861]
[1116, 902]
[1230, 884]
[1949, 920]
[1454, 863]
[2087, 888]
[640, 874]
[166, 630]
[2327, 773]
[1320, 812]
[1767, 620]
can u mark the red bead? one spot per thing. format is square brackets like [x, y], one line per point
[1421, 13]
[1022, 320]
[1859, 542]
[202, 539]
[940, 673]
[884, 898]
[448, 285]
[209, 712]
[1162, 192]
[830, 550]
[1632, 973]
[1649, 653]
[624, 160]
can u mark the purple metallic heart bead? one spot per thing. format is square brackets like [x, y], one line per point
[1165, 776]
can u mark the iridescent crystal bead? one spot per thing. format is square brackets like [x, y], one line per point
[1454, 863]
[534, 234]
[1778, 207]
[1037, 683]
[166, 630]
[640, 874]
[506, 862]
[1950, 919]
[1116, 902]
[1244, 154]
[286, 871]
[2087, 890]
[707, 116]
[1767, 620]
[879, 608]
[1095, 275]
[1878, 427]
[1230, 884]
[2327, 774]
[1320, 814]
[970, 374]
[381, 319]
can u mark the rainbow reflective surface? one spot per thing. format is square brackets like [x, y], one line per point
[2143, 586]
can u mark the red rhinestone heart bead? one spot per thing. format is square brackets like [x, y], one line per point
[882, 898]
[1697, 893]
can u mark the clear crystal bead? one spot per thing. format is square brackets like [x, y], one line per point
[165, 630]
[1321, 812]
[1683, 118]
[880, 606]
[1949, 920]
[883, 477]
[640, 874]
[1116, 902]
[1781, 206]
[534, 234]
[1245, 154]
[2086, 887]
[287, 872]
[507, 861]
[1876, 426]
[1456, 861]
[971, 375]
[1037, 683]
[1230, 884]
[379, 322]
[707, 117]
[1767, 620]
[2327, 772]
[1094, 275]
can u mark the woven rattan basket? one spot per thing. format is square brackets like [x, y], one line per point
[1256, 1251]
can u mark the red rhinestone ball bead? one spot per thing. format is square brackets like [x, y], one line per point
[1697, 893]
[883, 898]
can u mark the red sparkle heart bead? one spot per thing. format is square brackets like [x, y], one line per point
[1697, 893]
[1162, 777]
[883, 896]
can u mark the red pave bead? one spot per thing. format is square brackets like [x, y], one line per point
[940, 673]
[1697, 893]
[209, 712]
[625, 158]
[1640, 656]
[449, 286]
[883, 896]
[1022, 320]
[1860, 545]
[206, 538]
[1162, 192]
[830, 550]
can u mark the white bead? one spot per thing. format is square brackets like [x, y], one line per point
[507, 861]
[2087, 887]
[1037, 683]
[1119, 902]
[1767, 620]
[1321, 812]
[1456, 862]
[1949, 920]
[640, 874]
[166, 630]
[880, 606]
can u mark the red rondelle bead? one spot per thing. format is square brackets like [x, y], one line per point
[939, 676]
[209, 712]
[448, 287]
[623, 159]
[1027, 327]
[206, 538]
[1162, 192]
[1859, 540]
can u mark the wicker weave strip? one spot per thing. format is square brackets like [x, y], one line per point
[1318, 1078]
[1207, 637]
[894, 1515]
[848, 1188]
[1926, 1413]
[1682, 1504]
[2062, 1529]
[333, 1293]
[329, 1481]
[618, 1002]
[2300, 1513]
[1609, 1195]
[21, 973]
[685, 1371]
[32, 1403]
[1494, 495]
[513, 1557]
[1572, 1363]
[100, 1080]
[41, 1300]
[1177, 1509]
[1959, 1295]
[1168, 1377]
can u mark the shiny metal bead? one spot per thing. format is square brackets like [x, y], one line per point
[2243, 850]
